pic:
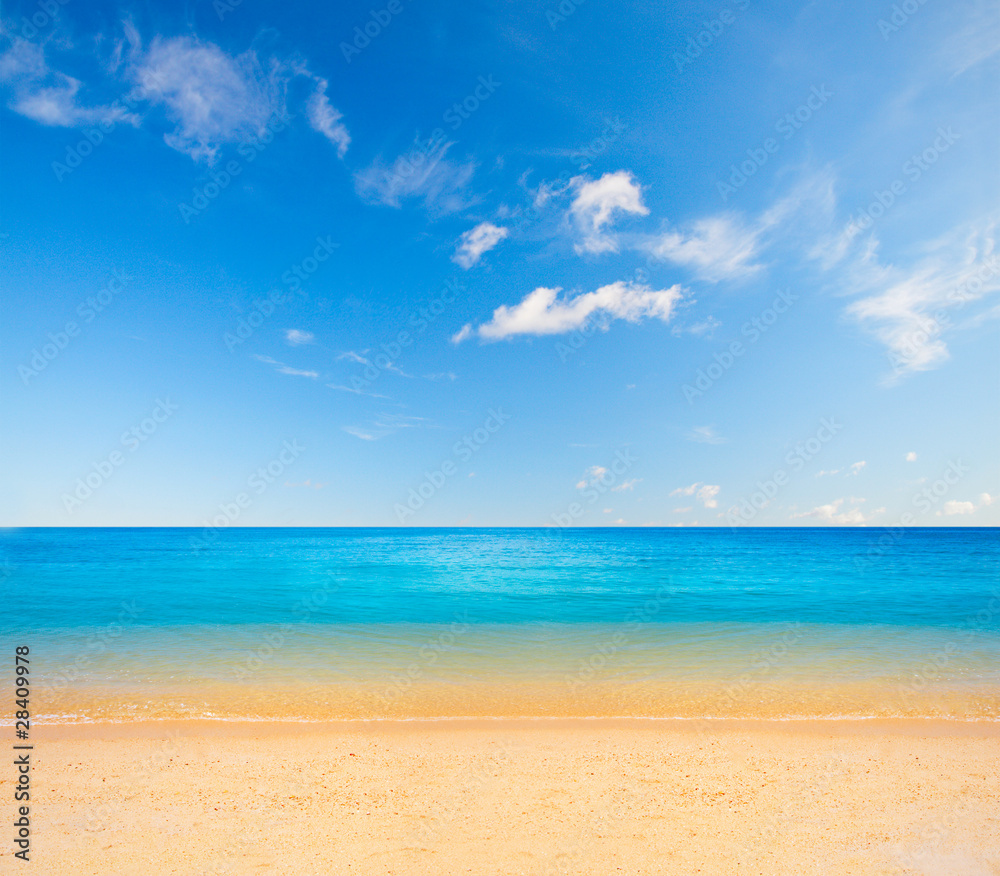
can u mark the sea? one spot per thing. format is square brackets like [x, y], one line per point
[368, 624]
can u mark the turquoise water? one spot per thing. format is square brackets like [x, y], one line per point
[329, 623]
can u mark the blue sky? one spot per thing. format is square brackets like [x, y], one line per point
[499, 264]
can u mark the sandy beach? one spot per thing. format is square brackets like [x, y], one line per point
[516, 796]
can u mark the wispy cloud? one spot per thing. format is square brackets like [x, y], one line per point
[705, 435]
[47, 96]
[327, 120]
[359, 433]
[542, 312]
[385, 424]
[484, 237]
[350, 389]
[211, 96]
[282, 368]
[595, 205]
[910, 310]
[424, 174]
[715, 248]
[854, 469]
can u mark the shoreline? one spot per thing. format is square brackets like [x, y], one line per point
[846, 726]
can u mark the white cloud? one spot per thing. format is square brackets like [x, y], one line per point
[47, 96]
[359, 433]
[423, 173]
[476, 241]
[282, 368]
[831, 513]
[952, 507]
[212, 97]
[705, 435]
[325, 119]
[715, 248]
[385, 424]
[706, 493]
[355, 391]
[911, 310]
[854, 469]
[592, 476]
[683, 510]
[296, 337]
[626, 485]
[685, 491]
[595, 205]
[911, 456]
[542, 313]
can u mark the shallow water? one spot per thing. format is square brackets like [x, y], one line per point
[319, 624]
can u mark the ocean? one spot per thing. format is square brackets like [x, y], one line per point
[366, 624]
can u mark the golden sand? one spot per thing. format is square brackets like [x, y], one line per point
[515, 796]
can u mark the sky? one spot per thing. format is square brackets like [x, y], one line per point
[483, 264]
